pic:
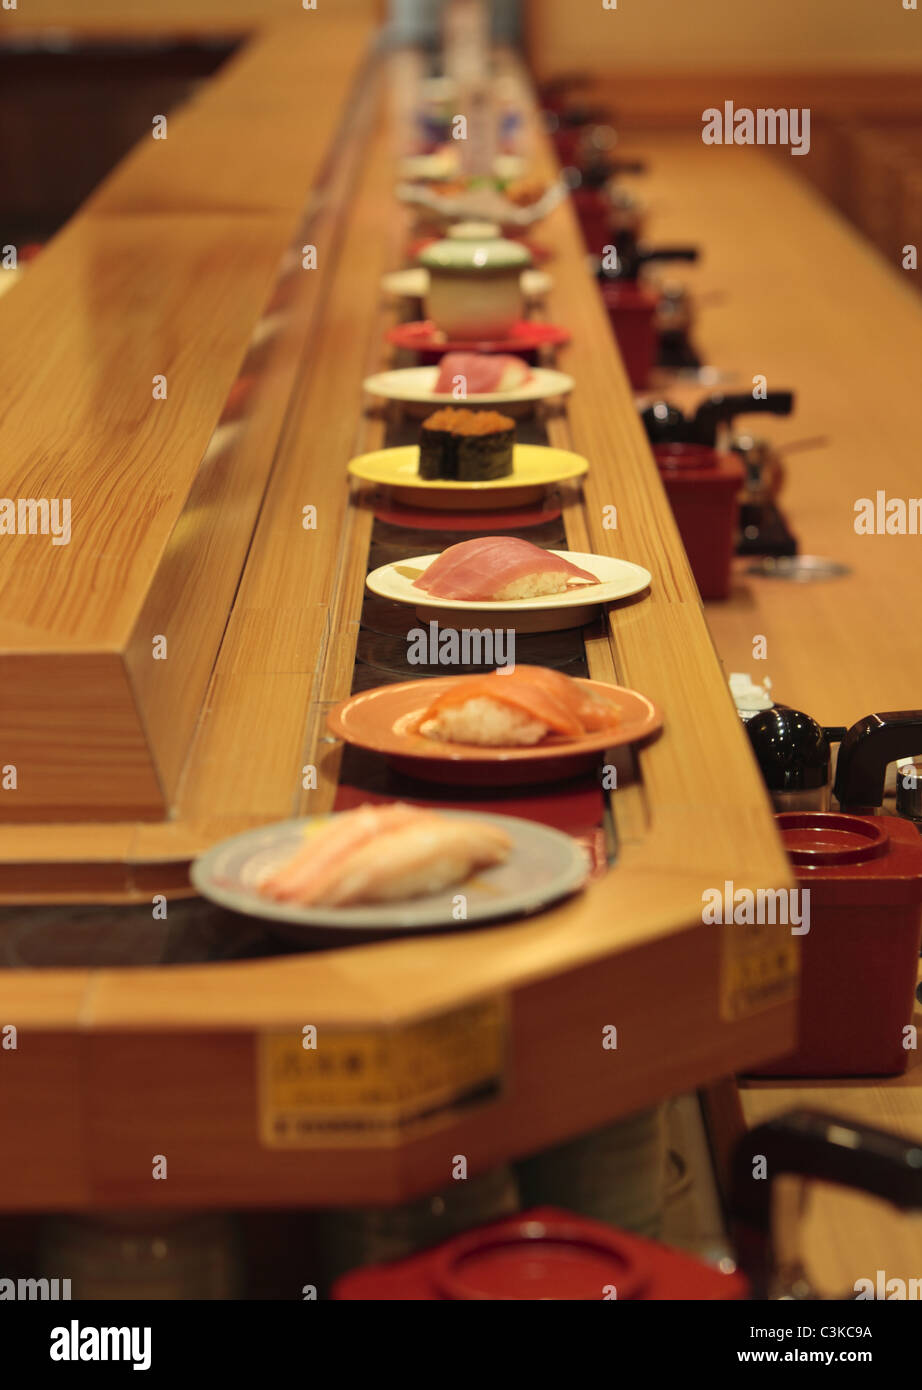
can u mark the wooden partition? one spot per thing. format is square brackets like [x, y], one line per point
[149, 408]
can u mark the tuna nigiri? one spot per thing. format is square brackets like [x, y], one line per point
[498, 568]
[516, 707]
[379, 854]
[479, 374]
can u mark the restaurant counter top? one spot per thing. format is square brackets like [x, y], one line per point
[190, 528]
[108, 19]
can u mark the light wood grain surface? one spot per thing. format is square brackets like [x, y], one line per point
[788, 289]
[632, 947]
[168, 273]
[825, 315]
[113, 19]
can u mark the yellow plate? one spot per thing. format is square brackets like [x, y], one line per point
[534, 468]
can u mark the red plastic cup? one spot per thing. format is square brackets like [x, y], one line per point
[703, 486]
[861, 955]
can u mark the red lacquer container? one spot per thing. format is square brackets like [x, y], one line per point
[543, 1254]
[861, 955]
[593, 208]
[631, 312]
[702, 485]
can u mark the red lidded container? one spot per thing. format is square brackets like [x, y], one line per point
[702, 485]
[593, 208]
[543, 1254]
[631, 311]
[861, 955]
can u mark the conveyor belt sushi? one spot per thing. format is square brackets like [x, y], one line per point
[466, 446]
[498, 568]
[381, 854]
[517, 707]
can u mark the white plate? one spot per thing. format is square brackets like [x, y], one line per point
[543, 866]
[415, 385]
[617, 579]
[444, 164]
[414, 283]
[482, 203]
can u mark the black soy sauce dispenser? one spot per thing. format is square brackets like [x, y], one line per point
[762, 528]
[666, 424]
[793, 753]
[633, 256]
[867, 749]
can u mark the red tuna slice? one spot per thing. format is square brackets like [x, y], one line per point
[482, 373]
[477, 569]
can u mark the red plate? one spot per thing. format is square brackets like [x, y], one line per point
[527, 335]
[384, 720]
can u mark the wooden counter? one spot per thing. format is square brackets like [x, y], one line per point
[113, 19]
[173, 1053]
[788, 289]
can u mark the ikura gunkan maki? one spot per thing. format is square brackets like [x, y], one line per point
[466, 446]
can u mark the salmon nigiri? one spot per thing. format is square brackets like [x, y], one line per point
[516, 707]
[498, 568]
[381, 854]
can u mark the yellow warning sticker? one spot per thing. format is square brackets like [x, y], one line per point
[330, 1086]
[759, 969]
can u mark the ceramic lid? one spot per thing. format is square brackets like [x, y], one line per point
[468, 257]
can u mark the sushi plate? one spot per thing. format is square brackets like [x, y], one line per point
[386, 719]
[415, 386]
[618, 579]
[543, 866]
[535, 468]
[414, 283]
[443, 165]
[421, 335]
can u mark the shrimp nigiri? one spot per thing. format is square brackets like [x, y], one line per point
[379, 854]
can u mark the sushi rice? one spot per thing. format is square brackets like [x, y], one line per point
[533, 586]
[486, 723]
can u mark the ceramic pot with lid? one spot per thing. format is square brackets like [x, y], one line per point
[860, 957]
[475, 286]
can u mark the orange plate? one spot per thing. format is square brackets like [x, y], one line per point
[384, 721]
